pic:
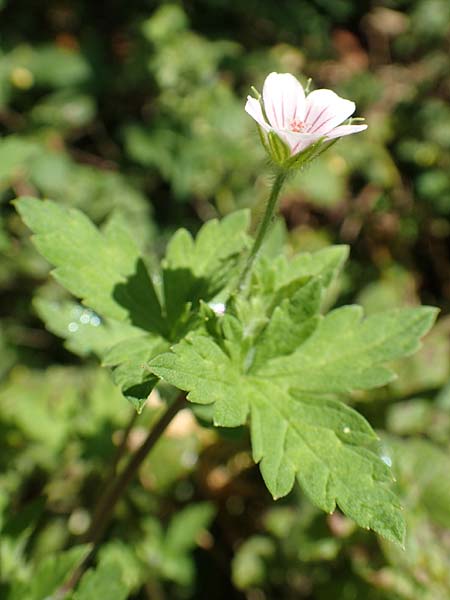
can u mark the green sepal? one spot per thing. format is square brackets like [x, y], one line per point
[278, 150]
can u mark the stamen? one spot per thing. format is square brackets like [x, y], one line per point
[297, 126]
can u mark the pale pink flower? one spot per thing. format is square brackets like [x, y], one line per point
[297, 119]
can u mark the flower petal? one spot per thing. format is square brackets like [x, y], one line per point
[338, 132]
[325, 110]
[298, 141]
[284, 99]
[253, 108]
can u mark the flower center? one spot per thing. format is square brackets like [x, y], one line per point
[297, 126]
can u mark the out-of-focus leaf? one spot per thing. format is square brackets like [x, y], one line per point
[64, 109]
[249, 567]
[423, 475]
[323, 182]
[15, 152]
[181, 538]
[50, 575]
[53, 66]
[103, 582]
[119, 554]
[184, 528]
[169, 552]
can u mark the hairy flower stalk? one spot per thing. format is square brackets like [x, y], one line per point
[264, 225]
[295, 127]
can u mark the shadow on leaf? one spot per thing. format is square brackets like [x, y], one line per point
[139, 297]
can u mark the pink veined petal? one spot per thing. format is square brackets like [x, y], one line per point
[297, 141]
[338, 132]
[253, 108]
[325, 110]
[284, 99]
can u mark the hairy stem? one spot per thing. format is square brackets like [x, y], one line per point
[264, 225]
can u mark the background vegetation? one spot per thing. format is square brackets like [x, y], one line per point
[135, 110]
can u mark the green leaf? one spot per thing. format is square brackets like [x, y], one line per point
[124, 555]
[103, 582]
[292, 322]
[129, 359]
[348, 352]
[298, 430]
[327, 446]
[124, 348]
[84, 331]
[276, 273]
[180, 540]
[423, 469]
[15, 151]
[104, 269]
[64, 109]
[54, 571]
[249, 566]
[186, 525]
[199, 269]
[169, 553]
[58, 67]
[277, 280]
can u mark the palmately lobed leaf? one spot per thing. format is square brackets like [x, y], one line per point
[298, 430]
[348, 352]
[272, 359]
[215, 242]
[326, 446]
[197, 269]
[272, 275]
[275, 285]
[291, 323]
[104, 269]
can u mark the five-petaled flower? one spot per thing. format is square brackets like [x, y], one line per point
[297, 119]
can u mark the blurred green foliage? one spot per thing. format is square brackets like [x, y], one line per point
[134, 111]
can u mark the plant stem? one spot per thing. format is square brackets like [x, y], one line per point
[123, 443]
[263, 227]
[113, 492]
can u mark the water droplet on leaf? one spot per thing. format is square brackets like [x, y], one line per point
[387, 460]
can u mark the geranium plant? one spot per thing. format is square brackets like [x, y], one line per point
[241, 329]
